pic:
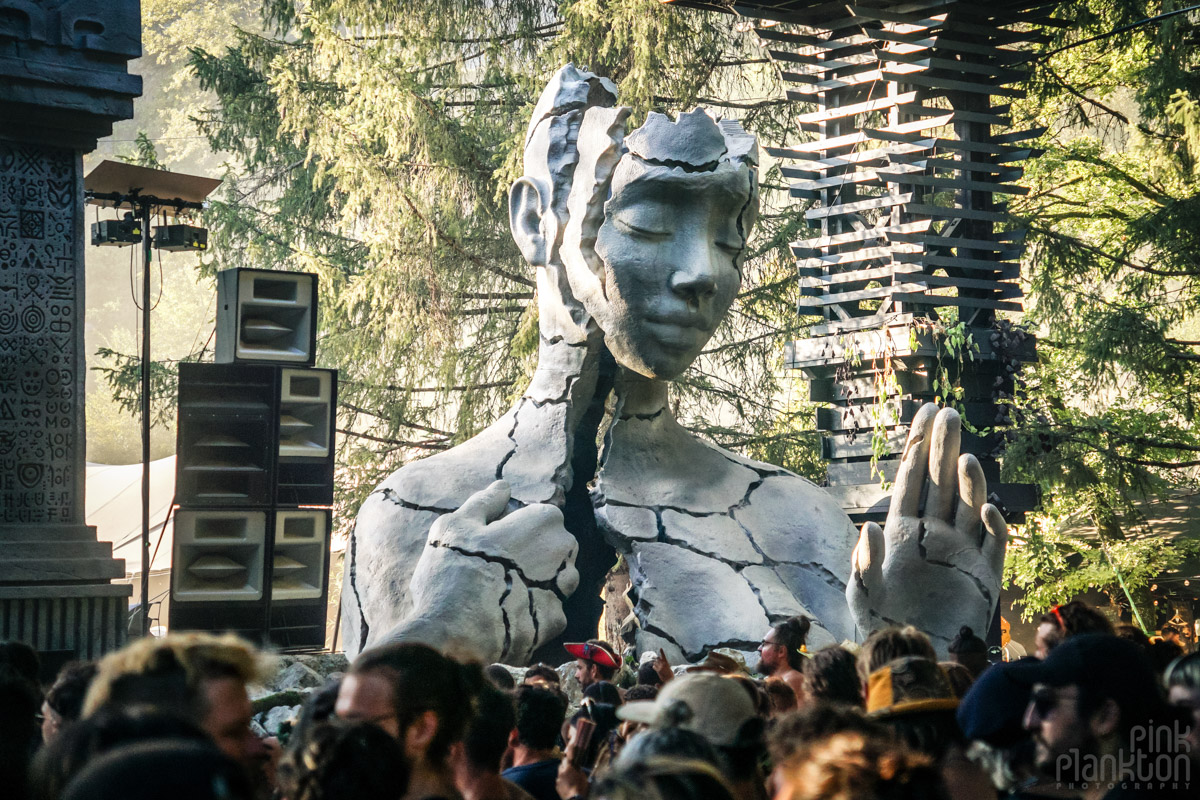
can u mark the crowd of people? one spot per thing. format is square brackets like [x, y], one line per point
[1097, 713]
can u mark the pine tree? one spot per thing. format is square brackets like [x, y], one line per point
[1110, 416]
[374, 145]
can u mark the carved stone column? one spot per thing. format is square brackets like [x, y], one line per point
[63, 82]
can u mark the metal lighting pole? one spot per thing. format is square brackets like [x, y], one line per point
[146, 242]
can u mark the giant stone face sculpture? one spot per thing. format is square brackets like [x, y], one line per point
[637, 241]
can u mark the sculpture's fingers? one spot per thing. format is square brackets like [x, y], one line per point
[488, 504]
[867, 559]
[914, 464]
[995, 539]
[943, 464]
[542, 521]
[972, 494]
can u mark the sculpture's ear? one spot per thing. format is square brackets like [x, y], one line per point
[525, 219]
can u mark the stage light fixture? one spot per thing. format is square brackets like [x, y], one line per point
[117, 232]
[177, 238]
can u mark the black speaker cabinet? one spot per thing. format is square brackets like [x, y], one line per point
[255, 435]
[266, 316]
[226, 435]
[261, 573]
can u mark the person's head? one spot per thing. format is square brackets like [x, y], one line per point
[19, 701]
[643, 233]
[888, 644]
[64, 700]
[718, 708]
[1173, 634]
[647, 675]
[1087, 695]
[913, 698]
[831, 675]
[780, 698]
[1162, 654]
[493, 718]
[649, 745]
[180, 770]
[110, 728]
[198, 675]
[799, 730]
[543, 676]
[969, 650]
[499, 676]
[667, 778]
[1182, 679]
[602, 692]
[780, 649]
[595, 661]
[412, 692]
[343, 760]
[850, 766]
[540, 715]
[318, 707]
[959, 676]
[1069, 619]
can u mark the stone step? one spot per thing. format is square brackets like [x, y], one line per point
[56, 550]
[46, 570]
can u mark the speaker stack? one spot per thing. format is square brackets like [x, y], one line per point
[254, 470]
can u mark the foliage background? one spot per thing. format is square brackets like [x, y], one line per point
[372, 143]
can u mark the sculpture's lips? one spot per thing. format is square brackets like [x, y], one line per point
[677, 332]
[679, 320]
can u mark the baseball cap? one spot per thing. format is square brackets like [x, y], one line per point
[908, 685]
[1104, 665]
[710, 705]
[595, 651]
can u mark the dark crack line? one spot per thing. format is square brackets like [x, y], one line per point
[560, 339]
[508, 586]
[507, 456]
[391, 496]
[364, 627]
[686, 166]
[644, 417]
[508, 564]
[983, 590]
[664, 538]
[536, 625]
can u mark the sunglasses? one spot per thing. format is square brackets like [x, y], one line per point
[1045, 699]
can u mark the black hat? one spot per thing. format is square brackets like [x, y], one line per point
[1102, 665]
[993, 709]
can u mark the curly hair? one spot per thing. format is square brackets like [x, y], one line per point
[345, 761]
[168, 670]
[850, 766]
[891, 643]
[832, 675]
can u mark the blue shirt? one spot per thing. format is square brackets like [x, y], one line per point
[537, 778]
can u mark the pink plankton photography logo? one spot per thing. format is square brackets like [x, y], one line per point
[1159, 757]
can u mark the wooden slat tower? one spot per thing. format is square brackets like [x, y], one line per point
[912, 158]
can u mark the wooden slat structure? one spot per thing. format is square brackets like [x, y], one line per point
[904, 147]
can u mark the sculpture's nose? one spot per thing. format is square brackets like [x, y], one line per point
[694, 279]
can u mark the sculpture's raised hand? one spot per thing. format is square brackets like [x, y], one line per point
[490, 585]
[939, 569]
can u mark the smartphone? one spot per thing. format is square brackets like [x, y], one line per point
[584, 728]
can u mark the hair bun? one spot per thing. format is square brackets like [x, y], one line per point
[965, 632]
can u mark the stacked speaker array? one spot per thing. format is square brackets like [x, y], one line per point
[254, 470]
